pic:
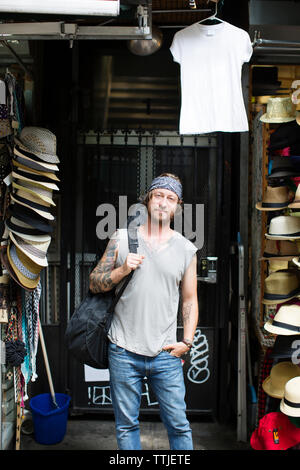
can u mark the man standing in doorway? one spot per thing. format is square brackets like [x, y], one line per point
[143, 333]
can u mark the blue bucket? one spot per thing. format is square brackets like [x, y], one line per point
[50, 423]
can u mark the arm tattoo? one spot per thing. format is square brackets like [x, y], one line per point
[100, 277]
[186, 312]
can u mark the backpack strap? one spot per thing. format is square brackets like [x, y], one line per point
[133, 245]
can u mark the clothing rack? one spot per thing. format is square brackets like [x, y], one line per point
[258, 41]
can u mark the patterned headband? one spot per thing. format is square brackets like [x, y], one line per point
[166, 182]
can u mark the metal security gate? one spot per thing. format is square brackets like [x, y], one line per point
[115, 169]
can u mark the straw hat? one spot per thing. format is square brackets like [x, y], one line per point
[284, 227]
[41, 181]
[283, 250]
[296, 202]
[6, 264]
[33, 202]
[36, 164]
[26, 231]
[286, 321]
[41, 142]
[274, 384]
[36, 251]
[44, 194]
[27, 272]
[275, 432]
[50, 175]
[279, 109]
[275, 198]
[281, 286]
[290, 403]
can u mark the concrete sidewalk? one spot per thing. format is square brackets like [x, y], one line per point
[99, 434]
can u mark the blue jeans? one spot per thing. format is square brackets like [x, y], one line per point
[165, 377]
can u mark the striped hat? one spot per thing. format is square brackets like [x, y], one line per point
[41, 142]
[27, 272]
[36, 251]
[8, 267]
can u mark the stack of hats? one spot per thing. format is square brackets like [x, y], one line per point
[30, 219]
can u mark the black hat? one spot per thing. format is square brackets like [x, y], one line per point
[286, 135]
[285, 346]
[281, 167]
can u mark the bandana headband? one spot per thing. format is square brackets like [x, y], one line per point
[166, 182]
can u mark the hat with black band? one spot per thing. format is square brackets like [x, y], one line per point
[33, 164]
[25, 231]
[290, 403]
[30, 201]
[29, 218]
[286, 321]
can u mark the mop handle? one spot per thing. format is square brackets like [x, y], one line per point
[46, 361]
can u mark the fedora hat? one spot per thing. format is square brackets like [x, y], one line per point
[31, 162]
[283, 250]
[27, 272]
[281, 286]
[279, 109]
[34, 203]
[286, 135]
[26, 231]
[284, 227]
[41, 181]
[50, 175]
[286, 321]
[296, 202]
[41, 193]
[7, 266]
[36, 251]
[275, 432]
[281, 167]
[273, 385]
[290, 403]
[39, 141]
[285, 346]
[30, 218]
[275, 198]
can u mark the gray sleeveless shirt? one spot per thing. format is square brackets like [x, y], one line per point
[145, 317]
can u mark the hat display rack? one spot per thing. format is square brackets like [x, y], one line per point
[278, 411]
[28, 179]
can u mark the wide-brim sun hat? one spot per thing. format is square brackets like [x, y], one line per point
[50, 175]
[25, 231]
[36, 251]
[39, 141]
[27, 272]
[29, 201]
[279, 109]
[45, 195]
[285, 322]
[273, 385]
[284, 227]
[290, 403]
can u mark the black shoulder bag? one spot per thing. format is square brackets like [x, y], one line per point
[86, 333]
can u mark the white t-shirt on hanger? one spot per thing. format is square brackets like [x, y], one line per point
[211, 59]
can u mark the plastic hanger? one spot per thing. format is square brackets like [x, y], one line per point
[212, 17]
